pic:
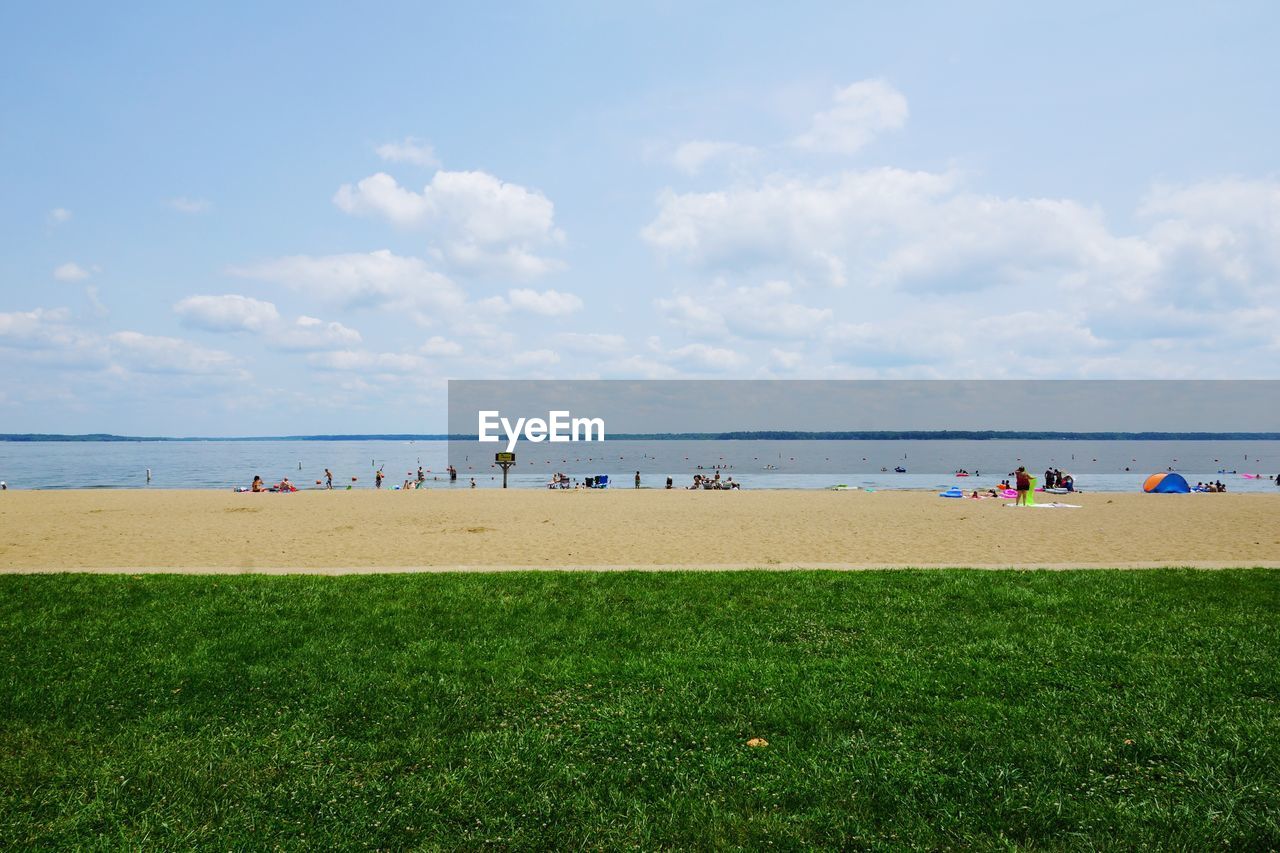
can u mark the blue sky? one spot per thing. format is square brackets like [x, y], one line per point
[307, 217]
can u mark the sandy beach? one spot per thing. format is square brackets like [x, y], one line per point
[492, 530]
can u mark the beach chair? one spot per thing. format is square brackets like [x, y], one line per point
[602, 481]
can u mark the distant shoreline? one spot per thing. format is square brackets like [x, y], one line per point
[760, 435]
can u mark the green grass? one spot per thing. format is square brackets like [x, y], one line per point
[929, 709]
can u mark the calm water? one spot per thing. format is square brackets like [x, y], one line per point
[1096, 465]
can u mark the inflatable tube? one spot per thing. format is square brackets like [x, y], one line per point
[953, 492]
[1251, 476]
[1009, 493]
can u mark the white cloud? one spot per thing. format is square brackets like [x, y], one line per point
[233, 313]
[59, 215]
[409, 150]
[697, 357]
[786, 359]
[374, 279]
[310, 333]
[596, 343]
[475, 221]
[535, 358]
[32, 327]
[440, 347]
[762, 313]
[361, 361]
[548, 303]
[155, 354]
[70, 271]
[861, 112]
[182, 204]
[694, 156]
[228, 313]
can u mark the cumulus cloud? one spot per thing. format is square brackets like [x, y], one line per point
[595, 343]
[548, 303]
[694, 156]
[374, 279]
[232, 313]
[192, 206]
[39, 327]
[311, 333]
[475, 221]
[228, 313]
[697, 357]
[765, 312]
[158, 354]
[59, 215]
[362, 361]
[416, 152]
[70, 271]
[860, 112]
[441, 347]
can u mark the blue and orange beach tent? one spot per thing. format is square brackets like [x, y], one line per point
[1166, 482]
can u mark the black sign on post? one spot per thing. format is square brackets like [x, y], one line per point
[505, 460]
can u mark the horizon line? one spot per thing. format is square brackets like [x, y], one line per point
[726, 435]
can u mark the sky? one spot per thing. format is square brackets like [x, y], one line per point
[282, 218]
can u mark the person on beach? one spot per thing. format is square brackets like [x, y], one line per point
[637, 479]
[1024, 485]
[422, 478]
[377, 479]
[473, 482]
[258, 485]
[453, 474]
[328, 479]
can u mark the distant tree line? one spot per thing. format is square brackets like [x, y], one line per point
[757, 435]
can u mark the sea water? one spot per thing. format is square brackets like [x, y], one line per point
[1095, 465]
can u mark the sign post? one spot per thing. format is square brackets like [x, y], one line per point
[505, 460]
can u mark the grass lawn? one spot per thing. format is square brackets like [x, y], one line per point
[933, 708]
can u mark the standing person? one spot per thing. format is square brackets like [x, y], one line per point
[637, 479]
[421, 477]
[328, 479]
[453, 474]
[1049, 480]
[377, 479]
[1023, 484]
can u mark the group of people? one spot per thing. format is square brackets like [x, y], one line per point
[1218, 486]
[703, 482]
[1055, 479]
[282, 486]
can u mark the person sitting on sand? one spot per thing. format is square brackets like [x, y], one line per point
[258, 485]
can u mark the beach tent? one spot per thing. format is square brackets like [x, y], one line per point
[1166, 483]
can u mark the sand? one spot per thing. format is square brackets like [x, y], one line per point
[362, 531]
